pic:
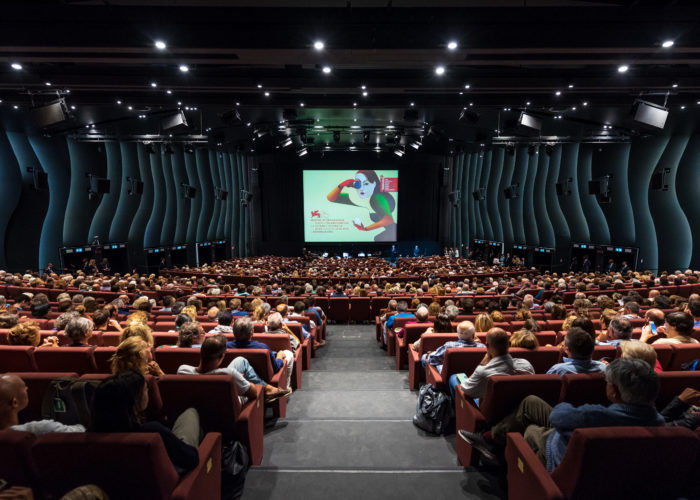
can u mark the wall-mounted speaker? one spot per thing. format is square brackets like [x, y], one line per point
[188, 191]
[220, 194]
[511, 191]
[649, 114]
[51, 114]
[40, 179]
[455, 198]
[175, 120]
[480, 194]
[601, 188]
[658, 180]
[99, 185]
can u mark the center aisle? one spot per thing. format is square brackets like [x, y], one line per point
[348, 434]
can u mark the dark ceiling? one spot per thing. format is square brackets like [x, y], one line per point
[509, 54]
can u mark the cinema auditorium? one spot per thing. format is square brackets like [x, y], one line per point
[350, 249]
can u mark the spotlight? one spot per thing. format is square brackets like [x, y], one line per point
[336, 136]
[440, 70]
[452, 45]
[416, 144]
[48, 84]
[365, 93]
[467, 86]
[399, 152]
[184, 68]
[365, 136]
[267, 94]
[160, 45]
[623, 68]
[319, 45]
[667, 44]
[189, 149]
[16, 66]
[326, 69]
[585, 103]
[558, 92]
[302, 152]
[286, 142]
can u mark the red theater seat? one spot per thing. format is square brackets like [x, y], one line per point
[411, 333]
[584, 388]
[589, 455]
[15, 458]
[134, 466]
[278, 342]
[429, 342]
[37, 384]
[66, 359]
[339, 309]
[259, 359]
[541, 358]
[17, 358]
[682, 353]
[456, 360]
[216, 399]
[154, 410]
[673, 383]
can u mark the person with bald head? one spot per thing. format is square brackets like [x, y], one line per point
[13, 399]
[465, 334]
[497, 361]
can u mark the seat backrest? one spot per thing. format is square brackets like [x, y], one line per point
[102, 356]
[591, 452]
[65, 359]
[671, 384]
[169, 359]
[664, 353]
[161, 338]
[583, 388]
[604, 351]
[461, 360]
[94, 458]
[546, 337]
[214, 396]
[431, 341]
[15, 457]
[401, 322]
[275, 341]
[259, 359]
[414, 331]
[682, 353]
[541, 358]
[17, 358]
[505, 392]
[359, 308]
[37, 383]
[154, 410]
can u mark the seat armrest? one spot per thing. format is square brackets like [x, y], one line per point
[205, 480]
[527, 476]
[432, 375]
[467, 417]
[279, 379]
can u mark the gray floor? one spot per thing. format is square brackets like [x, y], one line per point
[348, 434]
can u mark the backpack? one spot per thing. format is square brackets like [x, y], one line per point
[68, 400]
[433, 410]
[234, 467]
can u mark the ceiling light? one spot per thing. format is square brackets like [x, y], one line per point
[354, 104]
[248, 124]
[326, 69]
[622, 68]
[573, 108]
[179, 103]
[467, 86]
[440, 70]
[16, 66]
[585, 103]
[571, 85]
[15, 106]
[259, 85]
[527, 103]
[48, 84]
[154, 84]
[301, 104]
[354, 126]
[160, 45]
[416, 144]
[119, 102]
[452, 45]
[168, 91]
[399, 152]
[558, 92]
[413, 103]
[682, 107]
[267, 94]
[363, 87]
[238, 103]
[675, 85]
[667, 44]
[286, 142]
[319, 45]
[131, 107]
[67, 91]
[365, 93]
[302, 152]
[72, 107]
[184, 68]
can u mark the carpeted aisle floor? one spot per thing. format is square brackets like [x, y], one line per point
[348, 435]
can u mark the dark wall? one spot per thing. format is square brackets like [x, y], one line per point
[281, 204]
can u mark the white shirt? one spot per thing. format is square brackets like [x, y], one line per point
[242, 384]
[475, 386]
[39, 427]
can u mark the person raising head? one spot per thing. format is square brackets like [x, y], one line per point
[134, 354]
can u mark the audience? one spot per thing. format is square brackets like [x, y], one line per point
[578, 348]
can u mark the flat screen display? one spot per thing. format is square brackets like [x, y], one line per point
[350, 205]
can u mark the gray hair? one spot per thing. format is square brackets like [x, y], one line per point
[266, 307]
[422, 313]
[465, 330]
[61, 322]
[402, 306]
[274, 321]
[621, 327]
[452, 312]
[243, 327]
[634, 379]
[78, 328]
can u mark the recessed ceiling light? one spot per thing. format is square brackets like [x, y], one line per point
[467, 86]
[72, 107]
[119, 102]
[238, 103]
[301, 104]
[558, 92]
[259, 85]
[131, 107]
[267, 94]
[571, 85]
[248, 124]
[363, 87]
[675, 85]
[179, 103]
[573, 108]
[326, 69]
[682, 107]
[585, 103]
[440, 70]
[168, 91]
[48, 84]
[365, 93]
[667, 44]
[154, 84]
[471, 104]
[527, 103]
[354, 104]
[160, 45]
[452, 45]
[319, 45]
[622, 68]
[16, 66]
[413, 103]
[184, 68]
[15, 106]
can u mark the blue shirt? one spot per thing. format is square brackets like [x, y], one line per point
[696, 323]
[254, 344]
[571, 365]
[239, 313]
[390, 322]
[565, 418]
[319, 320]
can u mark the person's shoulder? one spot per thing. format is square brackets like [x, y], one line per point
[187, 370]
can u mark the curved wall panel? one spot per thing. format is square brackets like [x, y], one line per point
[597, 226]
[53, 156]
[479, 160]
[167, 224]
[571, 204]
[613, 159]
[688, 187]
[464, 206]
[235, 203]
[11, 181]
[108, 202]
[155, 222]
[222, 206]
[456, 228]
[562, 234]
[529, 220]
[182, 204]
[216, 211]
[503, 203]
[128, 203]
[522, 158]
[470, 165]
[137, 231]
[196, 202]
[492, 193]
[227, 202]
[205, 215]
[672, 228]
[543, 224]
[484, 182]
[244, 229]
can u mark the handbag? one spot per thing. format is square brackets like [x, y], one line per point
[234, 467]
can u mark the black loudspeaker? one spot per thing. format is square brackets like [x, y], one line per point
[560, 188]
[601, 189]
[220, 194]
[595, 187]
[658, 180]
[45, 116]
[135, 186]
[477, 196]
[188, 191]
[173, 121]
[40, 179]
[511, 191]
[99, 185]
[454, 197]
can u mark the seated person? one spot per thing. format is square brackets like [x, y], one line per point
[678, 329]
[402, 308]
[13, 399]
[274, 325]
[135, 354]
[465, 338]
[632, 387]
[483, 323]
[310, 304]
[104, 323]
[299, 311]
[619, 330]
[442, 324]
[524, 338]
[79, 330]
[225, 319]
[139, 330]
[578, 348]
[212, 355]
[191, 334]
[237, 310]
[683, 411]
[643, 351]
[27, 333]
[180, 320]
[118, 405]
[497, 361]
